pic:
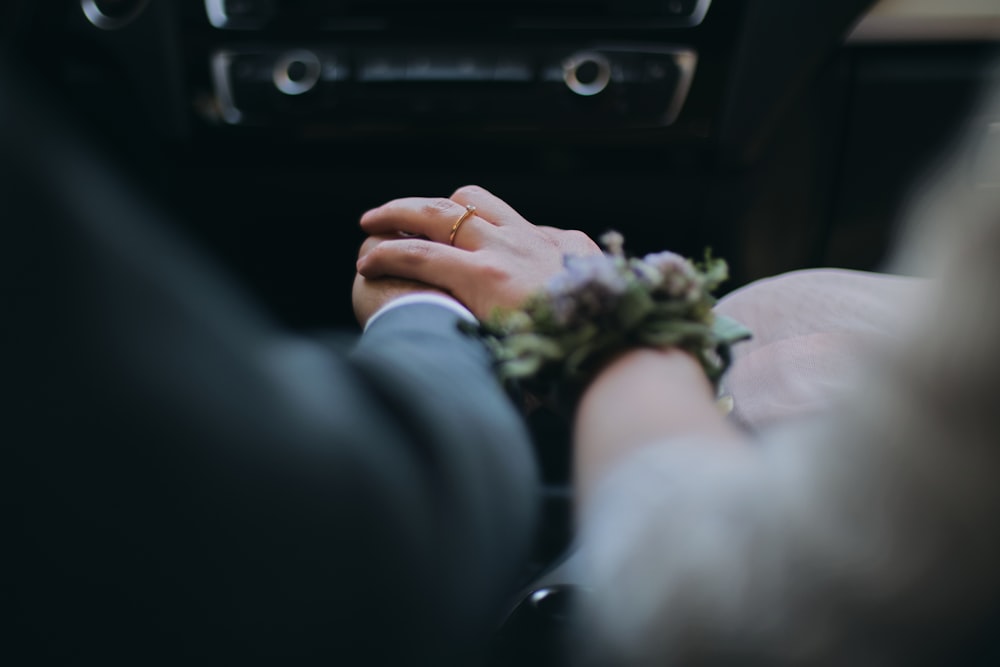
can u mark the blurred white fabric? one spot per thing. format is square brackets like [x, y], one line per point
[861, 527]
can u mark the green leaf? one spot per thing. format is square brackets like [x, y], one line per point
[716, 271]
[635, 306]
[519, 345]
[727, 330]
[576, 360]
[680, 327]
[670, 309]
[516, 369]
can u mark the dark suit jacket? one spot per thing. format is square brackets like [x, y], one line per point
[186, 478]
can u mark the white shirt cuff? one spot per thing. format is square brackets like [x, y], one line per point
[448, 302]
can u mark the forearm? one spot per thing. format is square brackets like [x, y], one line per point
[842, 529]
[439, 383]
[644, 397]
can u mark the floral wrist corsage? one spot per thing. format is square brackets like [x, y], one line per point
[602, 305]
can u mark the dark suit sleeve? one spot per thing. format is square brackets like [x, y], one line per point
[186, 479]
[469, 441]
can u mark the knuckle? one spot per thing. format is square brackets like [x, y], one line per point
[374, 256]
[492, 274]
[468, 192]
[579, 242]
[436, 206]
[416, 251]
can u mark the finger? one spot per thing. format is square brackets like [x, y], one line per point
[431, 217]
[488, 205]
[372, 242]
[369, 243]
[433, 263]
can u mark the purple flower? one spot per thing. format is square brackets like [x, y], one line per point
[589, 287]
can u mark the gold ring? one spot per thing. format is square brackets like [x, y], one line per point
[469, 210]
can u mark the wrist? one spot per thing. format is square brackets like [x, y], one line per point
[647, 374]
[433, 297]
[643, 397]
[600, 307]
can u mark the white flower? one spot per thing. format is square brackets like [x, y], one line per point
[680, 277]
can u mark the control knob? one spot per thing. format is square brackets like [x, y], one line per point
[296, 72]
[587, 73]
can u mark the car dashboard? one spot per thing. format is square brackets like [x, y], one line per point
[778, 134]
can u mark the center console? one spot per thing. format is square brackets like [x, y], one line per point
[517, 86]
[341, 69]
[541, 65]
[498, 64]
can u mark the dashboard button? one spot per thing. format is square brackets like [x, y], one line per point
[296, 72]
[587, 73]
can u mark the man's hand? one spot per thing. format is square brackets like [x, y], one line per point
[498, 259]
[369, 295]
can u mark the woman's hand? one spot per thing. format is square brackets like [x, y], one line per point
[497, 259]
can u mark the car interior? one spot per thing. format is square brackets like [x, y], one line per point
[781, 134]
